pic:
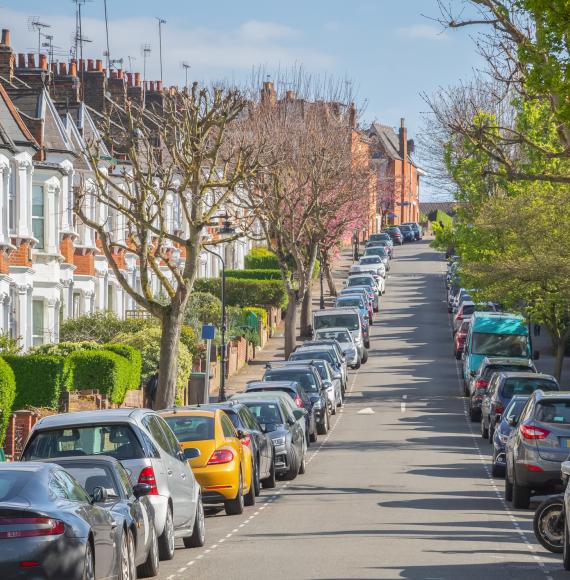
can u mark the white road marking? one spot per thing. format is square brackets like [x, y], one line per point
[366, 411]
[402, 407]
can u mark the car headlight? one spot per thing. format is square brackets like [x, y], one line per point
[318, 404]
[503, 438]
[279, 441]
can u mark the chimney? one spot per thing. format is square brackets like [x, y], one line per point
[159, 86]
[90, 64]
[117, 87]
[268, 94]
[73, 68]
[130, 79]
[152, 86]
[154, 98]
[99, 65]
[21, 60]
[352, 116]
[82, 64]
[7, 57]
[31, 60]
[95, 84]
[65, 86]
[403, 134]
[290, 95]
[36, 77]
[43, 64]
[137, 79]
[53, 67]
[135, 90]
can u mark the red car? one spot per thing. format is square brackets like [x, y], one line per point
[460, 337]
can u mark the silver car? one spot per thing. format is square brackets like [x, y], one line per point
[148, 449]
[346, 342]
[537, 446]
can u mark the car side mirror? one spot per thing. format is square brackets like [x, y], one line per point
[536, 355]
[498, 417]
[241, 434]
[513, 421]
[291, 421]
[299, 413]
[99, 495]
[327, 384]
[472, 373]
[141, 489]
[565, 471]
[191, 453]
[314, 399]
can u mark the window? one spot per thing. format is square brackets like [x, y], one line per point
[12, 483]
[73, 490]
[37, 322]
[12, 202]
[173, 444]
[500, 344]
[227, 427]
[76, 304]
[151, 423]
[38, 215]
[92, 476]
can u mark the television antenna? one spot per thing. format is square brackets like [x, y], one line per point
[161, 21]
[186, 66]
[131, 58]
[145, 51]
[34, 23]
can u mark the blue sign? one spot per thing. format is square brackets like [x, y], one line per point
[208, 332]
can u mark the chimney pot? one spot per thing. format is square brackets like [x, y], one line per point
[90, 64]
[130, 79]
[54, 68]
[137, 79]
[82, 64]
[5, 37]
[159, 86]
[120, 74]
[403, 123]
[63, 69]
[21, 60]
[43, 64]
[31, 60]
[152, 86]
[99, 65]
[73, 68]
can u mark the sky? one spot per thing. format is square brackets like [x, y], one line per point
[392, 51]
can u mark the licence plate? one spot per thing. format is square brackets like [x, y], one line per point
[567, 442]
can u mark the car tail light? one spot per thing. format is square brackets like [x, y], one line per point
[459, 316]
[533, 468]
[221, 456]
[246, 440]
[29, 564]
[147, 476]
[299, 401]
[532, 432]
[499, 409]
[30, 527]
[481, 384]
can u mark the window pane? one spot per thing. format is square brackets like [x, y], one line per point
[38, 322]
[38, 201]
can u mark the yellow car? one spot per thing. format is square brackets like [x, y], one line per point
[224, 466]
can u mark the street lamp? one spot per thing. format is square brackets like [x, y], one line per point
[225, 230]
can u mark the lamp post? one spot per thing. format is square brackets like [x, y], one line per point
[226, 229]
[322, 302]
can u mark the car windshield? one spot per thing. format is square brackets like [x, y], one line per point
[12, 483]
[378, 237]
[499, 344]
[526, 386]
[350, 321]
[304, 378]
[340, 335]
[360, 281]
[357, 302]
[321, 367]
[92, 476]
[118, 441]
[266, 414]
[376, 251]
[312, 355]
[490, 369]
[468, 309]
[370, 260]
[553, 412]
[191, 427]
[514, 408]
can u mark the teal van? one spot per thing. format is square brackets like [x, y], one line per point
[495, 334]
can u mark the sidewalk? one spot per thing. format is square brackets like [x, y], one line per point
[274, 350]
[546, 361]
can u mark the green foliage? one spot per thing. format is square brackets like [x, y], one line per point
[203, 308]
[261, 313]
[261, 259]
[64, 348]
[7, 396]
[443, 218]
[255, 274]
[103, 370]
[246, 292]
[40, 379]
[9, 345]
[135, 362]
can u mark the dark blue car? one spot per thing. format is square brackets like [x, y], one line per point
[502, 432]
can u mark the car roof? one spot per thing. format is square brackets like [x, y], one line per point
[97, 417]
[272, 395]
[288, 365]
[499, 323]
[468, 303]
[82, 459]
[498, 360]
[291, 384]
[31, 466]
[333, 329]
[533, 376]
[539, 394]
[190, 411]
[336, 311]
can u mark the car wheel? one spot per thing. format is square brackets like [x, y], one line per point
[293, 470]
[497, 470]
[357, 365]
[474, 414]
[249, 498]
[508, 487]
[365, 357]
[484, 430]
[303, 466]
[150, 568]
[198, 537]
[521, 494]
[166, 540]
[127, 557]
[566, 548]
[257, 480]
[333, 408]
[313, 436]
[89, 565]
[322, 427]
[270, 482]
[234, 507]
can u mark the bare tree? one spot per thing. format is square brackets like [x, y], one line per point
[185, 157]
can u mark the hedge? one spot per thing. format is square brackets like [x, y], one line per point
[103, 370]
[7, 395]
[255, 274]
[261, 259]
[246, 292]
[135, 361]
[40, 379]
[261, 313]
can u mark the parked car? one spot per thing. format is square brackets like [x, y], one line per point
[258, 441]
[142, 441]
[339, 364]
[297, 394]
[381, 237]
[460, 336]
[537, 447]
[345, 341]
[502, 431]
[224, 467]
[287, 436]
[415, 228]
[388, 245]
[465, 311]
[53, 530]
[407, 232]
[356, 301]
[373, 261]
[502, 387]
[382, 252]
[367, 281]
[108, 484]
[376, 270]
[396, 235]
[348, 318]
[309, 378]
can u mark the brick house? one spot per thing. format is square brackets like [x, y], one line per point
[397, 175]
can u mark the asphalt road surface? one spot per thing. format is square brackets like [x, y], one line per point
[400, 488]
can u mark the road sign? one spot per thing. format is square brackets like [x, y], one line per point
[208, 331]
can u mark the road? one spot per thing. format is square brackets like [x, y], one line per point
[400, 488]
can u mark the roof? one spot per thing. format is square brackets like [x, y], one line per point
[540, 394]
[82, 459]
[13, 130]
[97, 417]
[533, 376]
[499, 323]
[503, 360]
[328, 311]
[292, 384]
[194, 410]
[388, 139]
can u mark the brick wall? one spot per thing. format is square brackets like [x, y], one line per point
[4, 263]
[67, 249]
[85, 263]
[21, 256]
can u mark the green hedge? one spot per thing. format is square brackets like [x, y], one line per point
[261, 313]
[7, 395]
[40, 379]
[246, 292]
[261, 259]
[103, 370]
[135, 361]
[255, 274]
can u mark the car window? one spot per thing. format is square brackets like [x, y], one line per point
[92, 476]
[524, 386]
[305, 378]
[249, 419]
[191, 427]
[124, 479]
[514, 408]
[56, 489]
[553, 412]
[151, 423]
[73, 491]
[528, 410]
[269, 413]
[227, 427]
[173, 442]
[12, 483]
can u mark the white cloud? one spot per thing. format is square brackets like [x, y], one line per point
[422, 32]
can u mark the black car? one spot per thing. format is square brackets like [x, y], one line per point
[50, 523]
[309, 378]
[408, 233]
[107, 482]
[396, 235]
[287, 435]
[297, 393]
[260, 443]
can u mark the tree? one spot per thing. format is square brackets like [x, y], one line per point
[185, 157]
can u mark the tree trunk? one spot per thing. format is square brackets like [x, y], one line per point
[291, 325]
[307, 314]
[168, 368]
[559, 358]
[329, 276]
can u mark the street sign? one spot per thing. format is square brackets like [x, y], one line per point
[208, 332]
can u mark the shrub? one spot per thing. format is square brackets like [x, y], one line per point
[103, 370]
[203, 308]
[255, 274]
[246, 292]
[147, 342]
[40, 379]
[64, 348]
[9, 345]
[7, 395]
[261, 313]
[261, 259]
[135, 361]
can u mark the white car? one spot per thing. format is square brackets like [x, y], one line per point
[379, 269]
[344, 338]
